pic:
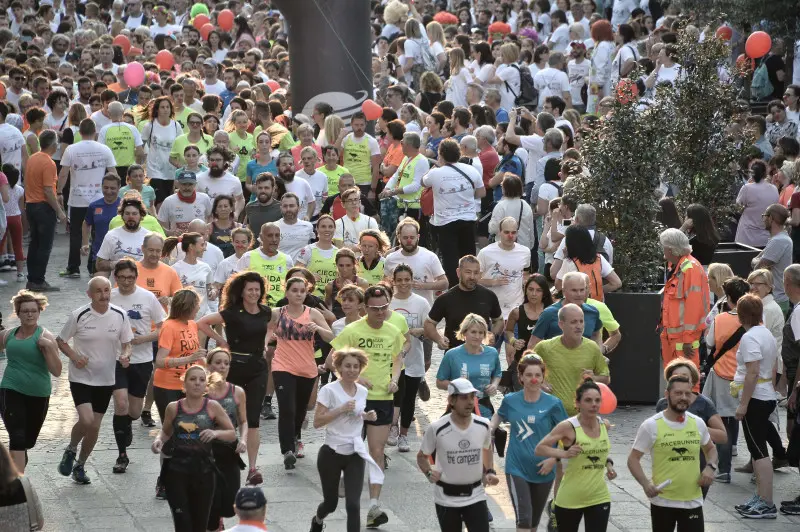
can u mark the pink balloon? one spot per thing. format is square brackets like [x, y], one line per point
[273, 85]
[371, 110]
[134, 74]
[608, 401]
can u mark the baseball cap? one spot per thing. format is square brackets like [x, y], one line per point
[250, 498]
[460, 386]
[210, 62]
[186, 176]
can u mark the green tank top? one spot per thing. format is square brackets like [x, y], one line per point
[273, 271]
[120, 139]
[676, 456]
[26, 371]
[407, 178]
[324, 269]
[357, 159]
[373, 276]
[584, 481]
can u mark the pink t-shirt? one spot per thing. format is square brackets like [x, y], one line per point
[755, 198]
[295, 351]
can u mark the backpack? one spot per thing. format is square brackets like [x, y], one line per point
[528, 94]
[761, 88]
[599, 242]
[593, 271]
[429, 60]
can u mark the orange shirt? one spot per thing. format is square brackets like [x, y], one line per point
[161, 281]
[394, 156]
[295, 351]
[786, 195]
[181, 340]
[39, 173]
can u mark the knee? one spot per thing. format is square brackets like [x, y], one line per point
[18, 440]
[352, 505]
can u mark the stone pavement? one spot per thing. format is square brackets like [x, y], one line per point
[126, 502]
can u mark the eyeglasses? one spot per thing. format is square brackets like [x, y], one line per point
[215, 160]
[19, 78]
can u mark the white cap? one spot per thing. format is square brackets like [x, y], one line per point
[460, 386]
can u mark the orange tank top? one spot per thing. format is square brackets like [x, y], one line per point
[725, 324]
[295, 351]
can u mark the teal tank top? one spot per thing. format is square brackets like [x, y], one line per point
[26, 371]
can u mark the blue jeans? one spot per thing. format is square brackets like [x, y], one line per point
[42, 224]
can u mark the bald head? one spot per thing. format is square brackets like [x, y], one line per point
[115, 111]
[570, 320]
[198, 226]
[99, 291]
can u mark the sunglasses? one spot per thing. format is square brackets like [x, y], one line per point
[378, 307]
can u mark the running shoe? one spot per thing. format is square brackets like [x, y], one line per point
[795, 501]
[147, 419]
[735, 450]
[402, 444]
[394, 432]
[6, 267]
[385, 461]
[254, 477]
[790, 509]
[489, 513]
[552, 524]
[79, 475]
[315, 526]
[750, 502]
[760, 510]
[289, 459]
[376, 517]
[299, 449]
[21, 277]
[267, 412]
[161, 490]
[122, 464]
[67, 461]
[69, 275]
[723, 478]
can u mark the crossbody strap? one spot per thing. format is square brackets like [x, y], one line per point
[460, 171]
[727, 346]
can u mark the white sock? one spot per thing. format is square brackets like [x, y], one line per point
[374, 502]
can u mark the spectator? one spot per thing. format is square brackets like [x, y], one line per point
[19, 504]
[754, 198]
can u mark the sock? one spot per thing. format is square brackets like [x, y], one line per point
[374, 502]
[73, 448]
[120, 433]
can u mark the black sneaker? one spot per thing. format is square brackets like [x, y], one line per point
[316, 527]
[147, 419]
[67, 461]
[161, 490]
[41, 287]
[790, 509]
[79, 475]
[795, 501]
[122, 464]
[267, 412]
[289, 459]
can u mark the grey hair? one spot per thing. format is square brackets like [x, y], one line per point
[585, 215]
[675, 242]
[792, 274]
[486, 133]
[221, 133]
[492, 94]
[469, 143]
[554, 137]
[412, 139]
[115, 109]
[47, 138]
[566, 308]
[575, 275]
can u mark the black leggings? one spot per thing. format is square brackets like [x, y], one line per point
[456, 239]
[230, 466]
[190, 495]
[406, 397]
[757, 428]
[293, 394]
[163, 397]
[23, 416]
[595, 518]
[664, 519]
[453, 519]
[529, 499]
[330, 465]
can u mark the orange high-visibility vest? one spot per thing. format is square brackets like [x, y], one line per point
[685, 303]
[725, 324]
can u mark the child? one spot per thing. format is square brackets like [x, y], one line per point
[15, 219]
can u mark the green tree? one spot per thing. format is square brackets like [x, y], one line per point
[781, 17]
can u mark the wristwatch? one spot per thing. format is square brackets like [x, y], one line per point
[429, 473]
[712, 466]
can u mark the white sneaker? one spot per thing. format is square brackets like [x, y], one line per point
[402, 444]
[393, 435]
[21, 277]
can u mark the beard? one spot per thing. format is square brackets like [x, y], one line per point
[132, 225]
[263, 198]
[678, 406]
[216, 171]
[410, 249]
[287, 176]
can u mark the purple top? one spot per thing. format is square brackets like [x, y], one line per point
[755, 198]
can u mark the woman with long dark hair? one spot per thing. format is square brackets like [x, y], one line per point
[159, 135]
[702, 233]
[754, 198]
[669, 216]
[582, 256]
[223, 224]
[521, 320]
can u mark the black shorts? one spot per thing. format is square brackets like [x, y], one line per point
[163, 188]
[23, 416]
[164, 397]
[384, 408]
[134, 378]
[98, 396]
[250, 372]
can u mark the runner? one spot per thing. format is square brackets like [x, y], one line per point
[522, 320]
[251, 509]
[583, 494]
[242, 240]
[101, 335]
[191, 270]
[349, 226]
[341, 410]
[270, 263]
[245, 317]
[383, 344]
[319, 257]
[123, 242]
[295, 233]
[674, 439]
[373, 244]
[346, 270]
[505, 267]
[145, 315]
[222, 224]
[185, 205]
[462, 442]
[32, 356]
[190, 427]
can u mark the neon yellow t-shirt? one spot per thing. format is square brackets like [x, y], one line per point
[245, 148]
[180, 143]
[333, 176]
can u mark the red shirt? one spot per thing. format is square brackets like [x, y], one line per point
[489, 160]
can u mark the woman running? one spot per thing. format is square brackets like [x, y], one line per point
[293, 367]
[223, 224]
[346, 274]
[582, 494]
[532, 414]
[373, 244]
[191, 270]
[341, 409]
[522, 319]
[245, 316]
[32, 356]
[226, 454]
[189, 428]
[319, 257]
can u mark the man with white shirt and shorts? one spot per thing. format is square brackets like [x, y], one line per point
[101, 334]
[125, 241]
[295, 234]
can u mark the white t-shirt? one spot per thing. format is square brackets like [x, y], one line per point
[548, 191]
[215, 88]
[458, 456]
[12, 205]
[341, 433]
[453, 196]
[646, 439]
[294, 237]
[199, 276]
[457, 89]
[534, 144]
[100, 120]
[569, 266]
[561, 252]
[338, 326]
[226, 269]
[212, 255]
[424, 263]
[626, 52]
[99, 337]
[758, 344]
[414, 309]
[168, 29]
[319, 187]
[550, 82]
[498, 263]
[578, 74]
[305, 193]
[87, 161]
[178, 214]
[11, 142]
[559, 39]
[347, 229]
[509, 90]
[120, 243]
[669, 74]
[143, 311]
[158, 140]
[227, 184]
[621, 12]
[482, 73]
[134, 22]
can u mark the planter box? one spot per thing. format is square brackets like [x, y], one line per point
[636, 363]
[737, 256]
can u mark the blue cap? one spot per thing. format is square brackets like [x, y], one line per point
[250, 498]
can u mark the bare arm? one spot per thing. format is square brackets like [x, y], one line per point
[716, 429]
[147, 338]
[51, 200]
[548, 446]
[322, 326]
[612, 282]
[239, 207]
[49, 348]
[4, 193]
[206, 324]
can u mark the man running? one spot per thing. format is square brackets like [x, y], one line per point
[674, 438]
[101, 334]
[145, 315]
[125, 241]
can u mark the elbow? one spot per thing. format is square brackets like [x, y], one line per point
[442, 384]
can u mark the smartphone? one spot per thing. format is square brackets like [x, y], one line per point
[566, 222]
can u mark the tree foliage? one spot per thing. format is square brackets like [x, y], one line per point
[780, 17]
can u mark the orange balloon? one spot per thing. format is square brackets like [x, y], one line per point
[200, 21]
[123, 42]
[608, 401]
[206, 30]
[225, 19]
[724, 32]
[273, 85]
[165, 60]
[741, 63]
[758, 44]
[371, 110]
[2, 91]
[134, 52]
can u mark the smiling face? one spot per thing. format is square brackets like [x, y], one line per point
[402, 283]
[349, 369]
[325, 229]
[220, 363]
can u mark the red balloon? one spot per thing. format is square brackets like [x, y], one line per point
[627, 91]
[123, 42]
[225, 19]
[371, 110]
[608, 401]
[758, 44]
[134, 52]
[724, 32]
[165, 60]
[2, 91]
[205, 30]
[200, 21]
[273, 85]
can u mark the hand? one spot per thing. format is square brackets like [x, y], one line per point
[611, 474]
[222, 343]
[651, 490]
[125, 361]
[349, 406]
[61, 217]
[312, 327]
[707, 477]
[80, 361]
[385, 194]
[365, 383]
[200, 354]
[687, 349]
[241, 447]
[792, 401]
[85, 250]
[546, 465]
[512, 116]
[419, 285]
[156, 446]
[519, 344]
[321, 369]
[587, 374]
[393, 386]
[435, 476]
[573, 451]
[269, 352]
[490, 389]
[491, 479]
[44, 343]
[443, 344]
[741, 411]
[502, 281]
[371, 195]
[369, 416]
[208, 435]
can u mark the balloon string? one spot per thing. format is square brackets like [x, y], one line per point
[353, 62]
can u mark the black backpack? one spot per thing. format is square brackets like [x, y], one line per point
[528, 94]
[599, 241]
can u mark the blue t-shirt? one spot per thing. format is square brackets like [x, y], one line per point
[98, 216]
[254, 170]
[530, 423]
[479, 369]
[547, 325]
[433, 144]
[509, 163]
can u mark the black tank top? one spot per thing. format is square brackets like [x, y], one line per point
[245, 331]
[188, 450]
[524, 329]
[222, 239]
[335, 287]
[228, 404]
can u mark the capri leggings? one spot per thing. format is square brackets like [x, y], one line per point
[406, 397]
[756, 427]
[190, 495]
[595, 518]
[529, 499]
[252, 376]
[15, 230]
[331, 465]
[23, 416]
